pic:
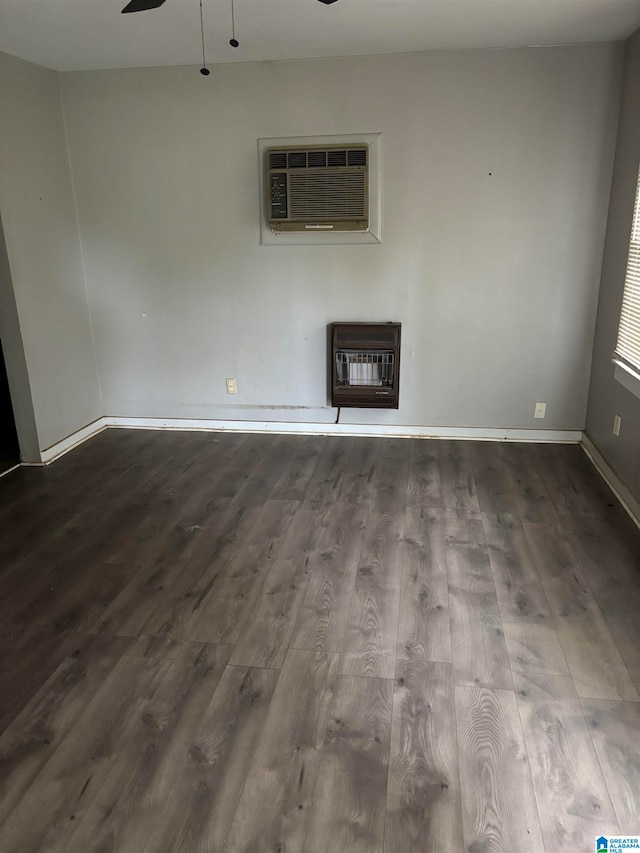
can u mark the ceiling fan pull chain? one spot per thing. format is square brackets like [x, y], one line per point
[233, 41]
[204, 70]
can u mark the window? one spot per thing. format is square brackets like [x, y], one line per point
[627, 352]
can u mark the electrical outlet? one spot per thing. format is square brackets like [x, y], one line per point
[540, 411]
[617, 423]
[232, 388]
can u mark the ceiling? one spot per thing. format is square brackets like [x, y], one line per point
[69, 35]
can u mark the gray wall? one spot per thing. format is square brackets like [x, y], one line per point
[608, 397]
[44, 258]
[496, 176]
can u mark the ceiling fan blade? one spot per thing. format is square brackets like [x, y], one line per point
[142, 5]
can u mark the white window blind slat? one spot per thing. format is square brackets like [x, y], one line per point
[628, 343]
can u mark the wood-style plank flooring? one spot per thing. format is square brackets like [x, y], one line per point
[214, 643]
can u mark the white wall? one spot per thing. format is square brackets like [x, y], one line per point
[496, 174]
[607, 396]
[44, 255]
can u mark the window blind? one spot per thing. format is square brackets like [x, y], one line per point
[628, 344]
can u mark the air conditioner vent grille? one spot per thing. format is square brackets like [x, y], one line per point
[297, 160]
[337, 158]
[278, 160]
[317, 159]
[357, 157]
[327, 195]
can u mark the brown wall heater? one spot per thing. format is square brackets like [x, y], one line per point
[365, 365]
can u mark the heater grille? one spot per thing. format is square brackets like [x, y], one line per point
[351, 337]
[365, 369]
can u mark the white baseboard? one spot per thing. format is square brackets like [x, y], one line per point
[61, 447]
[622, 492]
[391, 430]
[9, 470]
[50, 454]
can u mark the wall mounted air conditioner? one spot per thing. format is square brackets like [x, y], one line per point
[320, 188]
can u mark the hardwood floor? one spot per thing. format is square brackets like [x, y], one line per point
[224, 642]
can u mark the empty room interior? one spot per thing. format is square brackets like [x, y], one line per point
[319, 426]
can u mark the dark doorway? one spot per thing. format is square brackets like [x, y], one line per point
[9, 448]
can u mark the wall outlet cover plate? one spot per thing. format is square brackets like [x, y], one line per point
[540, 410]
